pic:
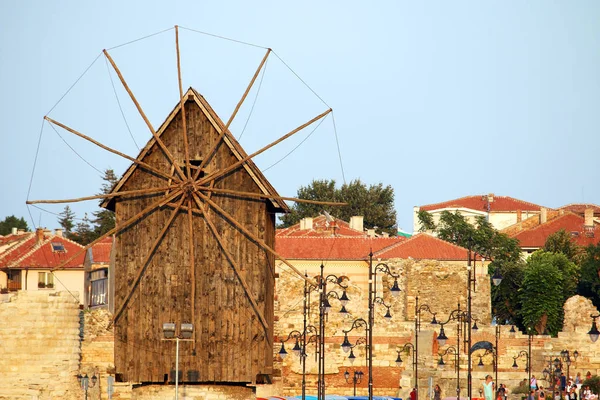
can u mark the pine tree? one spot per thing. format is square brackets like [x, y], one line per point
[12, 222]
[84, 233]
[104, 220]
[67, 221]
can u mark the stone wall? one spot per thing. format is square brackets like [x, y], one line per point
[39, 338]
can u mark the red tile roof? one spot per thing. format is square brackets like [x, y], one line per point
[30, 254]
[570, 222]
[101, 250]
[331, 248]
[321, 228]
[424, 247]
[579, 208]
[480, 203]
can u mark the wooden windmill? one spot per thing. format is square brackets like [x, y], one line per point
[195, 232]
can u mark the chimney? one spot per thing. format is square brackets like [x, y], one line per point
[356, 223]
[370, 232]
[588, 214]
[14, 231]
[306, 223]
[491, 198]
[39, 235]
[58, 232]
[519, 216]
[543, 215]
[20, 231]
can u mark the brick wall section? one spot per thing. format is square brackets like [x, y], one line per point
[39, 337]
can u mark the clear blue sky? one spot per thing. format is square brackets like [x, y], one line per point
[439, 99]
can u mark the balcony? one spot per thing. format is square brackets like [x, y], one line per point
[13, 286]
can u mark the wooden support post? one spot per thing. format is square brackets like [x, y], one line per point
[236, 270]
[89, 139]
[260, 242]
[119, 228]
[192, 250]
[146, 120]
[235, 111]
[146, 261]
[182, 102]
[218, 174]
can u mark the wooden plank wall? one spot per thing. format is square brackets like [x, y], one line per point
[230, 342]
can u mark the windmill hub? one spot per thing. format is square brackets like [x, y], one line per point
[188, 189]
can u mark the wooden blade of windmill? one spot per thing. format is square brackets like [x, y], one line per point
[181, 102]
[120, 227]
[217, 174]
[81, 135]
[231, 118]
[267, 196]
[147, 260]
[125, 193]
[236, 270]
[146, 120]
[251, 235]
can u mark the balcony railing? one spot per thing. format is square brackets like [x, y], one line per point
[13, 286]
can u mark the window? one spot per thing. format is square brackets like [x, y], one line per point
[58, 247]
[99, 289]
[45, 280]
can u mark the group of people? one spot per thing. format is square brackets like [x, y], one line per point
[564, 389]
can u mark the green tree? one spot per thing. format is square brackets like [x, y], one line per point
[84, 233]
[561, 242]
[12, 222]
[104, 220]
[483, 238]
[589, 281]
[67, 220]
[426, 220]
[375, 203]
[549, 279]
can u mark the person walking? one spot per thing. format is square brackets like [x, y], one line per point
[488, 388]
[437, 393]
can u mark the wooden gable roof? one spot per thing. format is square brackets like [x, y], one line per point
[229, 140]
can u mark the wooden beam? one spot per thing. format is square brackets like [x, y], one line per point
[192, 263]
[146, 261]
[236, 270]
[218, 174]
[235, 111]
[183, 120]
[124, 193]
[119, 228]
[266, 196]
[139, 108]
[260, 242]
[89, 139]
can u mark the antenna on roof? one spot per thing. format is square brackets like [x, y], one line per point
[328, 218]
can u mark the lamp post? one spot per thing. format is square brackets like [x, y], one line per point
[407, 348]
[87, 383]
[186, 332]
[373, 299]
[515, 366]
[565, 357]
[594, 333]
[418, 309]
[300, 349]
[356, 378]
[324, 307]
[441, 365]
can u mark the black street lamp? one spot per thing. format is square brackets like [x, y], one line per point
[418, 310]
[356, 378]
[87, 383]
[441, 365]
[515, 366]
[567, 358]
[407, 348]
[594, 333]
